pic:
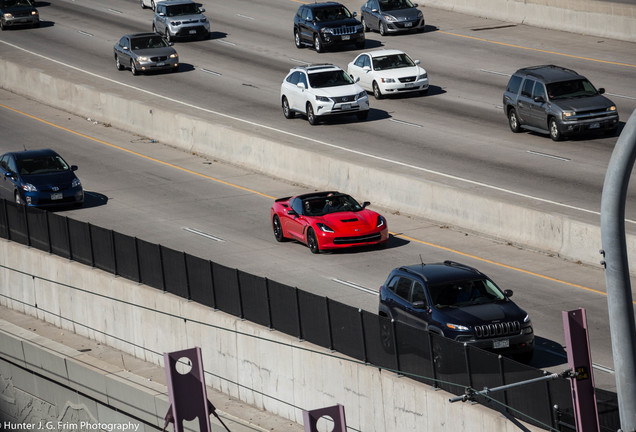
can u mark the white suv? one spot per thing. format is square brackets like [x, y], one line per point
[322, 90]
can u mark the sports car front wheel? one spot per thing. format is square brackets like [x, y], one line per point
[312, 241]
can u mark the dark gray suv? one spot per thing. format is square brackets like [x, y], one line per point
[557, 101]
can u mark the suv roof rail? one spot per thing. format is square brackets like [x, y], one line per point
[532, 70]
[460, 265]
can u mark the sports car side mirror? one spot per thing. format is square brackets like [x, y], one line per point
[366, 203]
[291, 212]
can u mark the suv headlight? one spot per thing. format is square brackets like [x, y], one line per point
[326, 30]
[8, 16]
[457, 327]
[567, 114]
[612, 108]
[28, 187]
[325, 228]
[361, 95]
[322, 98]
[175, 23]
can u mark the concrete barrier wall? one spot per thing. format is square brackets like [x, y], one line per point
[591, 17]
[407, 189]
[263, 368]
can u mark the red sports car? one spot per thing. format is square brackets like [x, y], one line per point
[327, 220]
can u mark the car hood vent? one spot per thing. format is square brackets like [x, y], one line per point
[349, 220]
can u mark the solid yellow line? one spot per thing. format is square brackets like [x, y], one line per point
[271, 197]
[537, 49]
[138, 154]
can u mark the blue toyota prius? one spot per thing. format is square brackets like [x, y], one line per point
[39, 178]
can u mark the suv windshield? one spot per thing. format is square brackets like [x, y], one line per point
[332, 78]
[394, 61]
[389, 5]
[333, 13]
[571, 89]
[12, 3]
[465, 293]
[182, 9]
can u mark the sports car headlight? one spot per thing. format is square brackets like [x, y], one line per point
[28, 187]
[361, 94]
[389, 18]
[323, 98]
[324, 228]
[457, 327]
[76, 182]
[380, 221]
[387, 80]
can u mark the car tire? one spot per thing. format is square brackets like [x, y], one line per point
[386, 335]
[553, 127]
[168, 36]
[377, 93]
[438, 358]
[312, 241]
[311, 116]
[297, 39]
[383, 31]
[118, 64]
[363, 115]
[2, 26]
[513, 121]
[143, 6]
[152, 4]
[318, 44]
[365, 27]
[279, 235]
[133, 68]
[287, 111]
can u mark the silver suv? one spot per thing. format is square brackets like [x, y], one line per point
[180, 18]
[557, 101]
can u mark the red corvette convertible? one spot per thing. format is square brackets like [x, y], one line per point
[327, 220]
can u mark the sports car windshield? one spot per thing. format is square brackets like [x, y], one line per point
[394, 61]
[571, 89]
[41, 165]
[331, 78]
[330, 204]
[389, 5]
[465, 293]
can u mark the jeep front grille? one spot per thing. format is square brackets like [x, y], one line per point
[499, 329]
[345, 30]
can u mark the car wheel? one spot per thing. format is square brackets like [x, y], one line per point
[152, 4]
[311, 117]
[133, 68]
[318, 44]
[365, 27]
[386, 334]
[169, 37]
[312, 241]
[287, 112]
[513, 121]
[143, 6]
[297, 39]
[2, 26]
[438, 358]
[278, 229]
[554, 130]
[363, 115]
[377, 93]
[118, 64]
[383, 31]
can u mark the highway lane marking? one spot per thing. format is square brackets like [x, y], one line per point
[226, 42]
[210, 72]
[621, 96]
[115, 11]
[356, 286]
[316, 141]
[561, 355]
[536, 49]
[202, 234]
[548, 155]
[245, 16]
[177, 167]
[405, 123]
[85, 33]
[494, 72]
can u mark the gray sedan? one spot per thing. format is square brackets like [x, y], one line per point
[391, 16]
[145, 52]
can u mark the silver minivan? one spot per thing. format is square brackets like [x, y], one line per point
[180, 19]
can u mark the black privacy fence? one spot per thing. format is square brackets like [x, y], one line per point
[362, 335]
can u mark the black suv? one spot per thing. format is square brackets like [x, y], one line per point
[327, 24]
[558, 101]
[460, 303]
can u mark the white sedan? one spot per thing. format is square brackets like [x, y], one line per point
[386, 72]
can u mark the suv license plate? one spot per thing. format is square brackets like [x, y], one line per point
[346, 37]
[192, 32]
[505, 343]
[57, 196]
[345, 106]
[595, 125]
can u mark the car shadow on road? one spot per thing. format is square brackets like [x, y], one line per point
[94, 199]
[217, 35]
[392, 242]
[547, 353]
